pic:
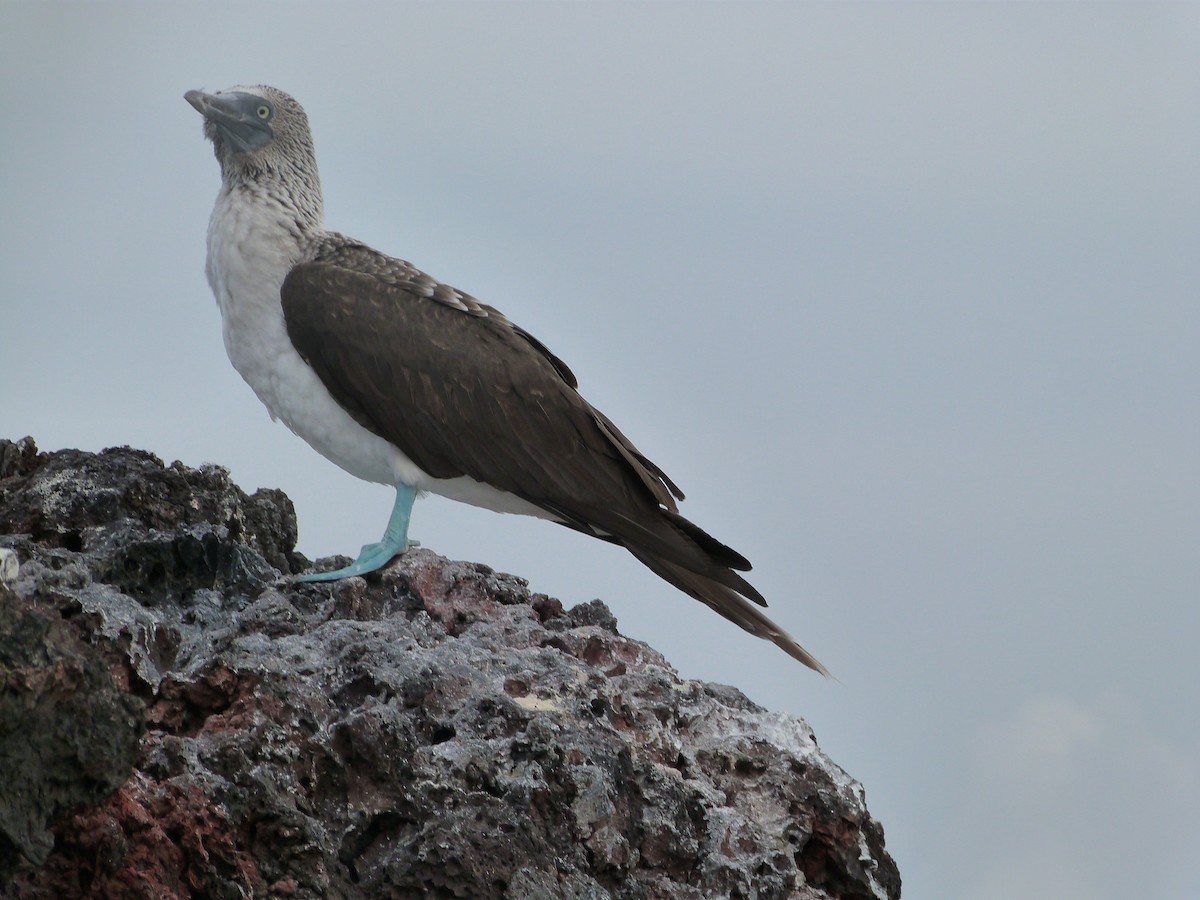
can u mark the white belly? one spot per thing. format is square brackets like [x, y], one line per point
[248, 259]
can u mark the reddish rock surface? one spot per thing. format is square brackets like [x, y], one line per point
[177, 719]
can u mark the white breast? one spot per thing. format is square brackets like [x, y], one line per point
[251, 248]
[252, 245]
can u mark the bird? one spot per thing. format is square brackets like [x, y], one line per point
[403, 380]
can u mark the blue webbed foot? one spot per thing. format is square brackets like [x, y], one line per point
[375, 556]
[371, 558]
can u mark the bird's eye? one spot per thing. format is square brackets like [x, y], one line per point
[264, 112]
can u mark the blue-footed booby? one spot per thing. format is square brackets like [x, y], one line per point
[403, 380]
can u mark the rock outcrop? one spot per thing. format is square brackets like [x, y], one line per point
[177, 719]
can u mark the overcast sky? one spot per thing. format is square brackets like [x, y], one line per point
[906, 299]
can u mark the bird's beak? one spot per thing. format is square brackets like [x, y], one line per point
[232, 115]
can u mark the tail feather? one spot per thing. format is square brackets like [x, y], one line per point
[728, 603]
[686, 556]
[718, 552]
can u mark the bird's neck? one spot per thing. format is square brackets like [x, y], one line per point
[284, 189]
[289, 209]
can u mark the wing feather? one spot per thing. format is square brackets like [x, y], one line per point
[460, 394]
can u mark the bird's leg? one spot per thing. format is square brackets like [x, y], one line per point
[376, 556]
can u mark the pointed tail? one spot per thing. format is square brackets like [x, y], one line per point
[728, 603]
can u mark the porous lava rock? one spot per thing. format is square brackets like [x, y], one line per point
[179, 719]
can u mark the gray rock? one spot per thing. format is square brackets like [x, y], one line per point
[434, 730]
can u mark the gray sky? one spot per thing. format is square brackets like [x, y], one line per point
[906, 299]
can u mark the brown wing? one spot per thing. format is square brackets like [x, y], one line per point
[462, 391]
[461, 394]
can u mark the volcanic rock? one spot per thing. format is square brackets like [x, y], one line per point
[179, 719]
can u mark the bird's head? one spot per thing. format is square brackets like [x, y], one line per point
[257, 130]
